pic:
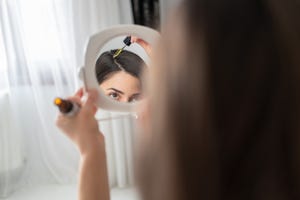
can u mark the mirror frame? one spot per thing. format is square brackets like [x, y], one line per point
[95, 44]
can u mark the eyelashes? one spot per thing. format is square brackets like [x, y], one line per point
[117, 97]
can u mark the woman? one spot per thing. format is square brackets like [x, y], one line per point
[225, 124]
[120, 76]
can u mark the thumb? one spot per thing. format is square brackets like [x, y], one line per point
[89, 105]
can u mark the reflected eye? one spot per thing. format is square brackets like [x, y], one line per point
[135, 98]
[114, 95]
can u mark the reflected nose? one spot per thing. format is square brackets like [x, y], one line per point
[124, 99]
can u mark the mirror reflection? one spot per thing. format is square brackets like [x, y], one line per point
[119, 70]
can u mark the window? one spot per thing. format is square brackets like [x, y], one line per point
[34, 41]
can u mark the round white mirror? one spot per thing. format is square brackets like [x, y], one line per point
[114, 64]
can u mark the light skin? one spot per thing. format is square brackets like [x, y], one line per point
[83, 130]
[122, 87]
[143, 44]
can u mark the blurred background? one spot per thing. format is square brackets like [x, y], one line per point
[42, 46]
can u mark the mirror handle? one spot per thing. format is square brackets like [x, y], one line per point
[121, 116]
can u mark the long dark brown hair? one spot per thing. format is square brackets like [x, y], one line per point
[225, 117]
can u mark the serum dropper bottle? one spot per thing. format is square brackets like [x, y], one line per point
[66, 107]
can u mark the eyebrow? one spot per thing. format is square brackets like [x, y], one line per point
[136, 94]
[118, 91]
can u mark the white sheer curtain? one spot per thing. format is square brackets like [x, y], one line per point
[41, 47]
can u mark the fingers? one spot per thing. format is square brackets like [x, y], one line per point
[89, 106]
[143, 44]
[79, 93]
[133, 39]
[75, 99]
[140, 41]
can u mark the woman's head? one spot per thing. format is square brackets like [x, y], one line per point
[120, 77]
[225, 122]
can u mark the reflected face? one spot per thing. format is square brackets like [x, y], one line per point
[122, 86]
